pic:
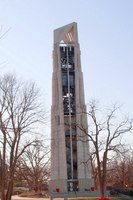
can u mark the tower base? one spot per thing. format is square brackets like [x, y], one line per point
[61, 188]
[58, 186]
[75, 194]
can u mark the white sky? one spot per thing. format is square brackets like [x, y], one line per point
[105, 30]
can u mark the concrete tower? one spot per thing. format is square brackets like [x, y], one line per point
[69, 171]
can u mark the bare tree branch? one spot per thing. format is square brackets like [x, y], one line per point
[105, 135]
[20, 111]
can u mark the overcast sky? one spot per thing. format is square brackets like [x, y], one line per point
[105, 30]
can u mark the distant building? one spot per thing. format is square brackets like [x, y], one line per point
[70, 171]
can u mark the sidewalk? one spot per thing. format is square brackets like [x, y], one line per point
[125, 197]
[16, 197]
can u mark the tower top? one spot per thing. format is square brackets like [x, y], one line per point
[66, 34]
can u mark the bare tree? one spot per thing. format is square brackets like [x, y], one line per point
[33, 166]
[105, 134]
[120, 173]
[20, 113]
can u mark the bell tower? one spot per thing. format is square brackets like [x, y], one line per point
[69, 153]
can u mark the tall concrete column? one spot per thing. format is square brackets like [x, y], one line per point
[70, 170]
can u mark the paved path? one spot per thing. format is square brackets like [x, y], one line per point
[16, 197]
[125, 197]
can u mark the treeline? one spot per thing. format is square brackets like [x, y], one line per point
[23, 152]
[120, 171]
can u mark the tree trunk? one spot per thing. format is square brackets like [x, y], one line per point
[103, 188]
[104, 172]
[3, 170]
[3, 195]
[9, 190]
